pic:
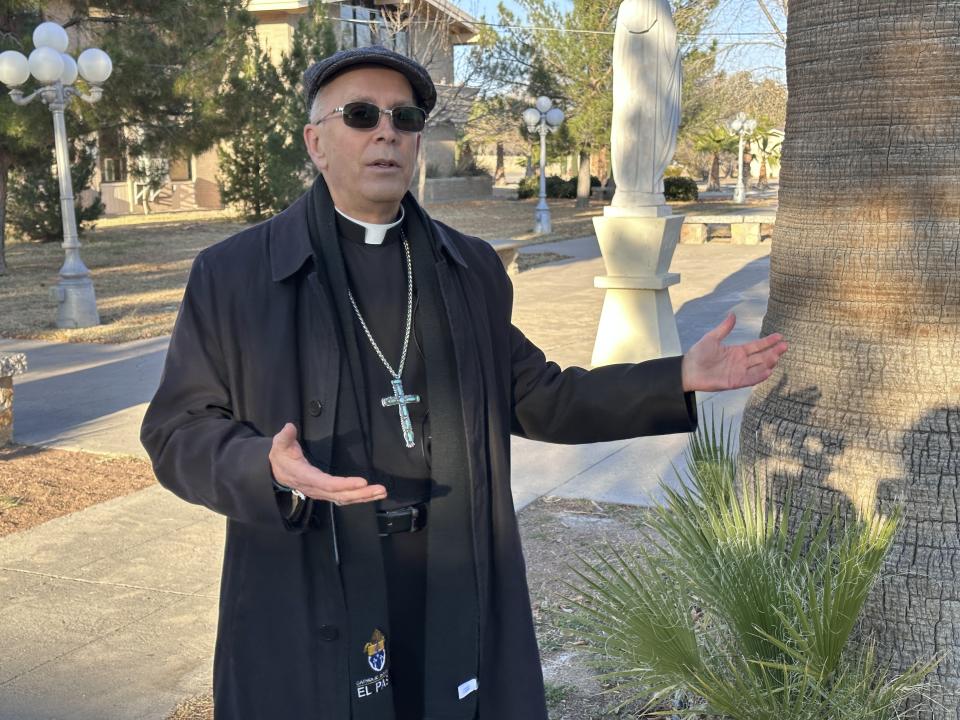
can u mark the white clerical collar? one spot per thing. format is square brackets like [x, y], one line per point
[375, 233]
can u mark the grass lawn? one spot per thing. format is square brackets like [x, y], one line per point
[140, 265]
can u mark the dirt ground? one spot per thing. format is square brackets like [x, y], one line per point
[139, 265]
[38, 484]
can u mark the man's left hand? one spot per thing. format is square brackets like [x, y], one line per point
[710, 365]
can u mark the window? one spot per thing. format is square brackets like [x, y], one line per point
[113, 158]
[361, 26]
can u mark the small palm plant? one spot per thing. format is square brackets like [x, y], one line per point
[716, 141]
[725, 607]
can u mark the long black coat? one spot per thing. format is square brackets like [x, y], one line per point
[254, 347]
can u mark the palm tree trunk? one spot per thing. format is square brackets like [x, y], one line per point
[499, 174]
[583, 180]
[864, 410]
[713, 183]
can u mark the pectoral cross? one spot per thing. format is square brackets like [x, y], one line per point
[401, 401]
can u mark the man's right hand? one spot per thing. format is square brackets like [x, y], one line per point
[292, 469]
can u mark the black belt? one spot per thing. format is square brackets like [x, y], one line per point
[412, 518]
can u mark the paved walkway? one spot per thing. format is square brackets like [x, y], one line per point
[110, 613]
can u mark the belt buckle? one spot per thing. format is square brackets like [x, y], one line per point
[412, 512]
[414, 515]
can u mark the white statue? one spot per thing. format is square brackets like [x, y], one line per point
[646, 102]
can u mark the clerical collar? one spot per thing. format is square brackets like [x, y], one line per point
[368, 233]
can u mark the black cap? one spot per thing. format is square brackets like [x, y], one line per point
[322, 72]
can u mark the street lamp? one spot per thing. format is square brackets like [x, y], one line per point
[56, 72]
[742, 125]
[543, 117]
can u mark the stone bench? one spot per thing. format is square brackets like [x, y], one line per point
[737, 229]
[508, 251]
[10, 366]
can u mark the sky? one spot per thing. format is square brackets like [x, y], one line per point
[746, 39]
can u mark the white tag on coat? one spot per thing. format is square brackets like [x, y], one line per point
[466, 688]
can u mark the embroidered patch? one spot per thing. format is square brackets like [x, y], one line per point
[376, 654]
[376, 651]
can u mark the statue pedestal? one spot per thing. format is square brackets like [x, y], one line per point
[637, 321]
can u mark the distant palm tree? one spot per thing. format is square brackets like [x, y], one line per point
[768, 149]
[716, 141]
[865, 285]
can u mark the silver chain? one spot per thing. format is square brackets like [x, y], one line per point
[406, 338]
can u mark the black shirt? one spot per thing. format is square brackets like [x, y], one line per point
[377, 275]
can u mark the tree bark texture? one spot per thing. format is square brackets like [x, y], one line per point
[864, 410]
[4, 180]
[713, 182]
[583, 180]
[499, 174]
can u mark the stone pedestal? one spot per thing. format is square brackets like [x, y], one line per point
[745, 233]
[637, 321]
[10, 365]
[693, 233]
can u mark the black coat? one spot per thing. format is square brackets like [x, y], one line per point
[253, 348]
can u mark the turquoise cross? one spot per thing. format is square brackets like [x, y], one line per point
[401, 401]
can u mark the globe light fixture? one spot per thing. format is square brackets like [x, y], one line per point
[543, 118]
[46, 65]
[531, 116]
[742, 126]
[95, 66]
[14, 69]
[50, 35]
[57, 72]
[69, 75]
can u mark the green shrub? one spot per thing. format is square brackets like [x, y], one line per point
[472, 170]
[528, 187]
[34, 205]
[434, 170]
[680, 188]
[556, 187]
[725, 610]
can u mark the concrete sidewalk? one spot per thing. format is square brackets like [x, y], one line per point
[110, 613]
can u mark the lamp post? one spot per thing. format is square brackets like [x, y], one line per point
[742, 125]
[57, 72]
[543, 117]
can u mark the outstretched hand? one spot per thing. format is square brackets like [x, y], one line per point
[710, 365]
[292, 469]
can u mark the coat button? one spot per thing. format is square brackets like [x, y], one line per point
[328, 632]
[315, 408]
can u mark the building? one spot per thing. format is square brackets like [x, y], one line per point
[427, 30]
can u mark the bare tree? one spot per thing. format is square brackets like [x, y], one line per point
[443, 39]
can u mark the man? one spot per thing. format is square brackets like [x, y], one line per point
[341, 383]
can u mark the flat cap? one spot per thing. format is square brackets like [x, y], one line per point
[322, 72]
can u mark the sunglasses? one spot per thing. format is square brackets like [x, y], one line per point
[366, 116]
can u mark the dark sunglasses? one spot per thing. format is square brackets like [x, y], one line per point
[366, 116]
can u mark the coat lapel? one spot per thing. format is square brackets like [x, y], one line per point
[469, 332]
